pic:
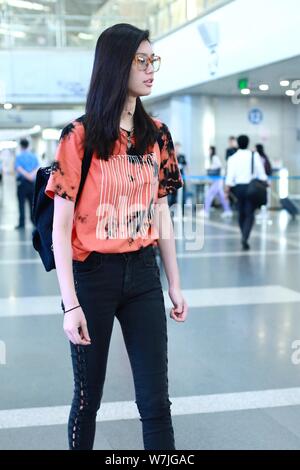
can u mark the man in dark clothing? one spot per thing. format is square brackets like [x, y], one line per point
[232, 147]
[26, 167]
[239, 175]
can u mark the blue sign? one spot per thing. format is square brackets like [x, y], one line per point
[255, 116]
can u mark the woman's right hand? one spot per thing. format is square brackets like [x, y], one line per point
[75, 327]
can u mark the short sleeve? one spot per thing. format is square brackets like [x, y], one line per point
[170, 178]
[66, 169]
[259, 168]
[230, 176]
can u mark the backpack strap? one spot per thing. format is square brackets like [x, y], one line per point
[86, 163]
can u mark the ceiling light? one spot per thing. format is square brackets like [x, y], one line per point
[245, 91]
[16, 34]
[35, 129]
[7, 106]
[284, 83]
[25, 5]
[85, 36]
[290, 92]
[264, 87]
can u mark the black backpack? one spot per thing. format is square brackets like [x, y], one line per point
[43, 211]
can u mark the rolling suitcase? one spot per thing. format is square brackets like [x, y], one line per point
[289, 206]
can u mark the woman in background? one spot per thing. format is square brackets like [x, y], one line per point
[264, 158]
[216, 188]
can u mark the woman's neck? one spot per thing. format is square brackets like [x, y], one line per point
[126, 121]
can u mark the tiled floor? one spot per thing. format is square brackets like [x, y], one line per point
[233, 374]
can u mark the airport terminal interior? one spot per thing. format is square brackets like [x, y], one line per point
[234, 363]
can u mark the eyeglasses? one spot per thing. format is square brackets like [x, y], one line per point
[143, 60]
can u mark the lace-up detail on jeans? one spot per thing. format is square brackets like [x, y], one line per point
[80, 401]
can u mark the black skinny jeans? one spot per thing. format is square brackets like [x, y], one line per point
[125, 285]
[246, 210]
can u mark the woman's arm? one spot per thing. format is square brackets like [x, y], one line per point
[166, 242]
[62, 248]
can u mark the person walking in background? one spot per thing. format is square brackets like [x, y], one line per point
[216, 188]
[259, 148]
[239, 175]
[232, 147]
[104, 246]
[265, 160]
[183, 167]
[26, 166]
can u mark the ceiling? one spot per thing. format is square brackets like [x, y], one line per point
[42, 24]
[270, 74]
[60, 23]
[78, 23]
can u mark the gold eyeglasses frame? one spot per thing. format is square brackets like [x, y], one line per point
[150, 60]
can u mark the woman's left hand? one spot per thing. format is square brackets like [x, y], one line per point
[180, 310]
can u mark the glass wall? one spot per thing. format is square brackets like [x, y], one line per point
[167, 15]
[76, 23]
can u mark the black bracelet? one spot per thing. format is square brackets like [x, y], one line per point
[66, 311]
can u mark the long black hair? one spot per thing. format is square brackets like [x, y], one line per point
[114, 54]
[266, 161]
[212, 152]
[260, 149]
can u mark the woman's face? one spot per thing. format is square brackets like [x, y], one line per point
[141, 81]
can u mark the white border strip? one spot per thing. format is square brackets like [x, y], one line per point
[123, 410]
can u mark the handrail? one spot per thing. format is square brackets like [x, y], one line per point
[213, 178]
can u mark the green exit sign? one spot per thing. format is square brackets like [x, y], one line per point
[243, 83]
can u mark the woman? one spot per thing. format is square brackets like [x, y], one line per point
[216, 188]
[109, 237]
[264, 158]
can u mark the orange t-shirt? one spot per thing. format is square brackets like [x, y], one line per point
[115, 211]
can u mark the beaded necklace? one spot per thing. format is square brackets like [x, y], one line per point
[129, 137]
